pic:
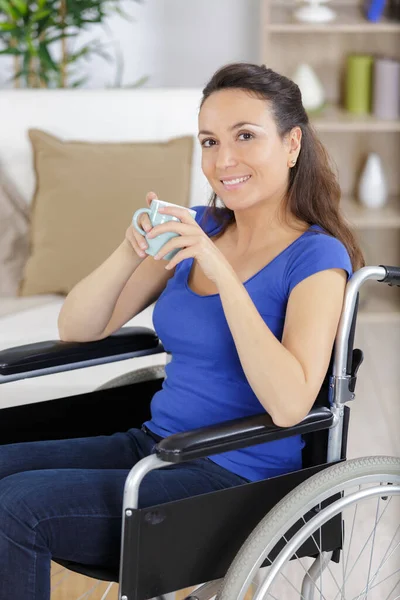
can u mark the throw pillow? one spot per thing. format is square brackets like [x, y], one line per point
[86, 194]
[14, 238]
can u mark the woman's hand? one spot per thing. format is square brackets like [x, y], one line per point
[193, 241]
[135, 239]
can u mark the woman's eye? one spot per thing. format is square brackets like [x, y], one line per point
[250, 135]
[206, 143]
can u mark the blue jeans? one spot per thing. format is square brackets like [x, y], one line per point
[64, 499]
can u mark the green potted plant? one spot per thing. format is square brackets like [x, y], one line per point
[30, 30]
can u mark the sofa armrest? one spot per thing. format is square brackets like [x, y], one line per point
[42, 358]
[236, 434]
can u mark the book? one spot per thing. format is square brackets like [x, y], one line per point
[374, 9]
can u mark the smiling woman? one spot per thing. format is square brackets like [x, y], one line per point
[233, 154]
[252, 124]
[248, 309]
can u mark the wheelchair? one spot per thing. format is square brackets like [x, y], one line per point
[283, 538]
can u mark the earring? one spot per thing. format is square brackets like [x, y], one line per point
[293, 162]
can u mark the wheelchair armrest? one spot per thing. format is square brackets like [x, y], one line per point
[32, 360]
[235, 434]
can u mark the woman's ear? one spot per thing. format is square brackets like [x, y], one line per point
[294, 145]
[295, 139]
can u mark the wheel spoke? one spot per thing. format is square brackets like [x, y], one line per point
[392, 590]
[381, 565]
[351, 539]
[327, 566]
[372, 547]
[386, 578]
[362, 549]
[306, 572]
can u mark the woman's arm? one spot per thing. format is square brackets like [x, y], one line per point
[286, 376]
[89, 305]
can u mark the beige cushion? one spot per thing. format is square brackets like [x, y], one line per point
[86, 194]
[14, 227]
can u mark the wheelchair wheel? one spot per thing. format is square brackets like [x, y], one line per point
[137, 376]
[366, 493]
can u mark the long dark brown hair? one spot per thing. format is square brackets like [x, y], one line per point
[313, 193]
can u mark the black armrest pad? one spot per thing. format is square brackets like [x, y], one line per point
[239, 433]
[52, 353]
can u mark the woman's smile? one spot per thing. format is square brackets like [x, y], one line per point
[234, 183]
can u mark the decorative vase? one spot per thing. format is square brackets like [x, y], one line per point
[358, 83]
[372, 187]
[312, 91]
[386, 89]
[314, 12]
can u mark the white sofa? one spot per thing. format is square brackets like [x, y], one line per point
[89, 115]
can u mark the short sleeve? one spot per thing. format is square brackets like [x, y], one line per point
[200, 214]
[317, 252]
[204, 217]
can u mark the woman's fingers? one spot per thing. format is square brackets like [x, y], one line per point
[145, 223]
[136, 239]
[150, 196]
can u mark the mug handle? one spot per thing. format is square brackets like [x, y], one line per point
[137, 214]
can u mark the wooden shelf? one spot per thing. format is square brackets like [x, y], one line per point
[325, 47]
[350, 19]
[387, 217]
[333, 118]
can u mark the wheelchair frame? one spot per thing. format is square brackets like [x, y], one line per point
[146, 533]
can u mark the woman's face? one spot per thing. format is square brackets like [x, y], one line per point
[243, 157]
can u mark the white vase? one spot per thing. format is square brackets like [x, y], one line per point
[372, 186]
[312, 91]
[313, 12]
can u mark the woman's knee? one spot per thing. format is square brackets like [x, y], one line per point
[17, 514]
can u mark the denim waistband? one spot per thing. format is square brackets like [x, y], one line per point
[147, 431]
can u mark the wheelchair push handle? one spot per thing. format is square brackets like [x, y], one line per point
[392, 276]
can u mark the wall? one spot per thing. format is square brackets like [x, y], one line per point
[177, 43]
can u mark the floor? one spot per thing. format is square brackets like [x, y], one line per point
[374, 423]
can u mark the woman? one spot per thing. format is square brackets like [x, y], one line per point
[259, 288]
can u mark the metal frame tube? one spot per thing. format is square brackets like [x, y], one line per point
[339, 392]
[352, 289]
[131, 496]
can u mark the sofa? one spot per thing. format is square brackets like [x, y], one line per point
[84, 116]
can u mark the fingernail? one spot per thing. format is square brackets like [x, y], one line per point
[143, 245]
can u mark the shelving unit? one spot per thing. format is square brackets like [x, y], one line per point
[348, 138]
[333, 118]
[349, 20]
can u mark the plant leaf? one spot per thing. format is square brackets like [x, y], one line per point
[10, 10]
[79, 82]
[21, 6]
[141, 81]
[13, 51]
[8, 26]
[45, 57]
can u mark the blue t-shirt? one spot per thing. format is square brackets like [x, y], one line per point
[205, 383]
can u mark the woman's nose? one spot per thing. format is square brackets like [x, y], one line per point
[226, 157]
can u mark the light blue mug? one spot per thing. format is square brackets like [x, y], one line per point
[155, 244]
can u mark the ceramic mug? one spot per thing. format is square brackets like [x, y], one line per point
[155, 244]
